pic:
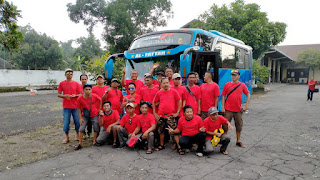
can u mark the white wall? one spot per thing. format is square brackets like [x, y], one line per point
[33, 77]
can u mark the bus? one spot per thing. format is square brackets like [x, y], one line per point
[187, 50]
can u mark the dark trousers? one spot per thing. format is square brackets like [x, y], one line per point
[187, 141]
[310, 94]
[89, 128]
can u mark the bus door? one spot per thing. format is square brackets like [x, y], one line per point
[206, 61]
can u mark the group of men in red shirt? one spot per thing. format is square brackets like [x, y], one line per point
[189, 113]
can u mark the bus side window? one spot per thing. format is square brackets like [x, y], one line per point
[240, 58]
[207, 40]
[197, 41]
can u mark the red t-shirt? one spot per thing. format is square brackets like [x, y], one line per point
[100, 91]
[190, 128]
[211, 126]
[69, 88]
[146, 121]
[137, 99]
[168, 101]
[110, 119]
[208, 94]
[155, 83]
[130, 127]
[312, 87]
[191, 101]
[139, 84]
[115, 97]
[85, 103]
[183, 93]
[233, 102]
[148, 94]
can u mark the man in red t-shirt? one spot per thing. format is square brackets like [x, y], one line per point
[69, 91]
[212, 123]
[100, 89]
[312, 86]
[84, 80]
[231, 103]
[148, 125]
[193, 98]
[88, 109]
[109, 121]
[210, 93]
[134, 79]
[192, 131]
[132, 98]
[114, 95]
[129, 126]
[148, 92]
[167, 100]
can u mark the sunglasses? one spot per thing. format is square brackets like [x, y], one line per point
[69, 73]
[131, 88]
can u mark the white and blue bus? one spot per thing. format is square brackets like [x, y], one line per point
[188, 50]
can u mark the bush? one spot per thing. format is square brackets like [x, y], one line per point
[260, 73]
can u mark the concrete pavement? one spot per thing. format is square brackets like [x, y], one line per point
[281, 132]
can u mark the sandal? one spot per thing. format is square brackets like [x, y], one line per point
[180, 151]
[240, 144]
[174, 146]
[65, 141]
[114, 145]
[160, 147]
[78, 147]
[149, 151]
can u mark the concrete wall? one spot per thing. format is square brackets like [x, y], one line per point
[10, 78]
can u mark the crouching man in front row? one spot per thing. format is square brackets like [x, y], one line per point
[214, 131]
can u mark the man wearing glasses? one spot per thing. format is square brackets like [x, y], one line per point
[134, 79]
[69, 91]
[231, 103]
[133, 98]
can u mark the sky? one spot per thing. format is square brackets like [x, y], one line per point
[51, 17]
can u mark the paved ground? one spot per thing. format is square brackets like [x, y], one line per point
[281, 133]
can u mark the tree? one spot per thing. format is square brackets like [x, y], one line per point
[10, 38]
[88, 47]
[260, 73]
[245, 22]
[123, 19]
[310, 57]
[38, 51]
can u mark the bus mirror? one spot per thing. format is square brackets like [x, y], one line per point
[185, 64]
[108, 68]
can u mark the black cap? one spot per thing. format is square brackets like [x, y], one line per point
[160, 73]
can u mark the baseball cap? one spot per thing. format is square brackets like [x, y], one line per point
[160, 73]
[130, 104]
[68, 70]
[147, 75]
[235, 72]
[213, 110]
[99, 76]
[114, 80]
[176, 75]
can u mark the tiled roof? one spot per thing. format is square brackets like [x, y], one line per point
[293, 50]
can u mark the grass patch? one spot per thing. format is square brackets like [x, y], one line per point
[12, 89]
[10, 142]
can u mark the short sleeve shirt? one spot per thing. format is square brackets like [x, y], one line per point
[191, 127]
[139, 84]
[130, 124]
[69, 88]
[147, 121]
[234, 100]
[137, 99]
[183, 93]
[85, 103]
[167, 102]
[110, 119]
[211, 126]
[191, 101]
[115, 97]
[209, 92]
[312, 87]
[100, 91]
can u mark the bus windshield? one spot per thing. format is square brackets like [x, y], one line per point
[162, 39]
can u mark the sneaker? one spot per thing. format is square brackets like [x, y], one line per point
[187, 150]
[199, 154]
[120, 147]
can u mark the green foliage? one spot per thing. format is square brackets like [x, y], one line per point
[123, 19]
[260, 73]
[68, 53]
[77, 63]
[52, 82]
[38, 51]
[245, 22]
[89, 47]
[10, 37]
[310, 57]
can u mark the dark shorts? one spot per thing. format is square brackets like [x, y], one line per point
[237, 116]
[164, 122]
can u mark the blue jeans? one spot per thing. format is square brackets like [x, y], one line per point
[66, 119]
[310, 94]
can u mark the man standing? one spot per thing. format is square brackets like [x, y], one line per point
[88, 109]
[212, 123]
[133, 98]
[231, 103]
[312, 85]
[210, 93]
[168, 100]
[148, 125]
[109, 121]
[100, 88]
[193, 97]
[114, 95]
[83, 79]
[134, 79]
[129, 126]
[69, 91]
[149, 91]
